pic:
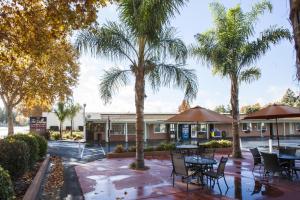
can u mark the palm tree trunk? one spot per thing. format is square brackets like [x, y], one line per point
[139, 103]
[71, 127]
[235, 115]
[60, 130]
[10, 119]
[139, 106]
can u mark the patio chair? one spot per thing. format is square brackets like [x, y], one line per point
[272, 164]
[288, 163]
[180, 169]
[256, 158]
[208, 153]
[214, 176]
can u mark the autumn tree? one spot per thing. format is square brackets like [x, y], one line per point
[185, 105]
[37, 62]
[248, 109]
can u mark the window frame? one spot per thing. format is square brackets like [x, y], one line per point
[161, 130]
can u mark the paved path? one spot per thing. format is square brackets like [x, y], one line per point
[111, 179]
[73, 154]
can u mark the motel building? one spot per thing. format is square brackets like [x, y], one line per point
[120, 127]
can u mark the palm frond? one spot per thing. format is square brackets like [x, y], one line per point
[174, 75]
[168, 46]
[254, 50]
[257, 10]
[111, 81]
[146, 18]
[112, 40]
[249, 75]
[218, 11]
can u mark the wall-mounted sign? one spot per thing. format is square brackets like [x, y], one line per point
[38, 124]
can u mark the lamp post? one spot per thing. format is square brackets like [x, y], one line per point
[84, 123]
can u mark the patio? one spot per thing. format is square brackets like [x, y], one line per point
[111, 179]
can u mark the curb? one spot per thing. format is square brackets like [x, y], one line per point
[32, 192]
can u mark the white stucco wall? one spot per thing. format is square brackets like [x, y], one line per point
[52, 120]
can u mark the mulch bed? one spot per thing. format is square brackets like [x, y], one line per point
[21, 184]
[54, 180]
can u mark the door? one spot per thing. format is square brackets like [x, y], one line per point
[185, 131]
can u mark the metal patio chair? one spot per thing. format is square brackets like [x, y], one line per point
[180, 169]
[215, 175]
[257, 161]
[272, 164]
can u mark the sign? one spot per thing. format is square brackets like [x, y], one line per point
[38, 124]
[185, 132]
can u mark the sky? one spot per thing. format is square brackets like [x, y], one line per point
[277, 66]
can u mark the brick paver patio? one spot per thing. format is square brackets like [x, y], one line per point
[111, 179]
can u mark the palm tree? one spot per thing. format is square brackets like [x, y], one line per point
[62, 113]
[145, 41]
[73, 109]
[230, 52]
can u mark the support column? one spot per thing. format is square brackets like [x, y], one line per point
[177, 132]
[145, 132]
[207, 131]
[284, 129]
[106, 131]
[126, 132]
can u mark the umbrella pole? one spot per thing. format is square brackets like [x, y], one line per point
[277, 133]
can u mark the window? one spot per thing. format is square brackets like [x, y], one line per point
[297, 126]
[246, 127]
[117, 129]
[173, 128]
[159, 128]
[203, 128]
[131, 130]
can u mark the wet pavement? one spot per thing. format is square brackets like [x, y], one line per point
[112, 179]
[73, 154]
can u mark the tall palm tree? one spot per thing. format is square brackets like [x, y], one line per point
[73, 109]
[62, 113]
[144, 39]
[228, 50]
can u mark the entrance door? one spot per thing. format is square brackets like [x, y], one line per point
[185, 131]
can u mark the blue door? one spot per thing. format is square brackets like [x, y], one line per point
[185, 132]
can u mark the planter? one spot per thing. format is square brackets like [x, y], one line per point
[223, 150]
[132, 154]
[34, 188]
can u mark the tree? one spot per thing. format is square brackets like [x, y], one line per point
[250, 108]
[295, 20]
[147, 43]
[37, 62]
[185, 105]
[227, 48]
[62, 112]
[220, 109]
[72, 111]
[289, 98]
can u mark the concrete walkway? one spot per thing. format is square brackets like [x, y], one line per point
[111, 179]
[73, 154]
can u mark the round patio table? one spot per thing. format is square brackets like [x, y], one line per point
[201, 164]
[289, 157]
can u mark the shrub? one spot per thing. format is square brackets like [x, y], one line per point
[33, 145]
[147, 149]
[217, 144]
[14, 156]
[55, 136]
[165, 147]
[119, 149]
[132, 149]
[43, 145]
[6, 187]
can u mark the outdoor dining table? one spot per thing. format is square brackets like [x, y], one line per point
[201, 164]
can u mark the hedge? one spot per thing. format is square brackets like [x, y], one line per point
[43, 145]
[33, 145]
[14, 156]
[6, 187]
